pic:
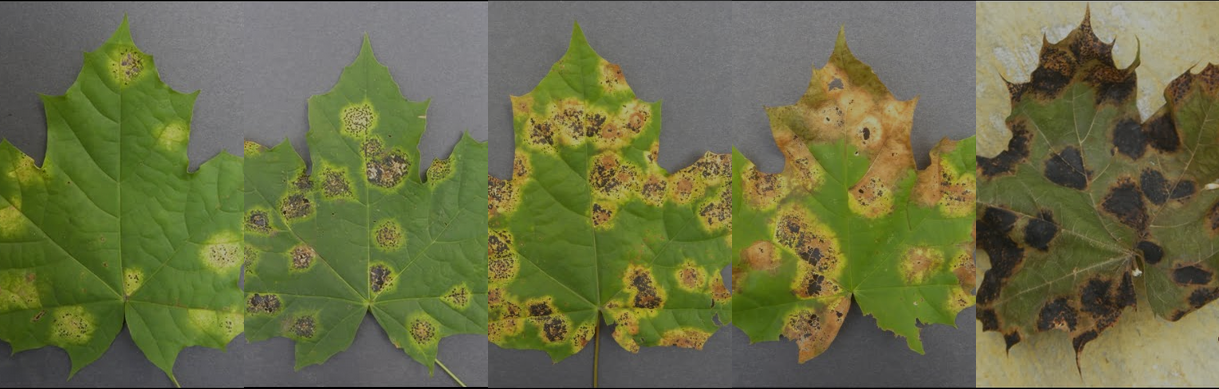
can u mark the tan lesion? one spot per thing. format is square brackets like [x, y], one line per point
[612, 79]
[813, 329]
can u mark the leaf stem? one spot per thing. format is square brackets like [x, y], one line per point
[175, 381]
[596, 351]
[446, 370]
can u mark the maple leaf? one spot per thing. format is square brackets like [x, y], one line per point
[590, 226]
[363, 232]
[1088, 199]
[113, 227]
[849, 216]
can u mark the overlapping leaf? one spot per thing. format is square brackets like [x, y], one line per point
[113, 227]
[362, 231]
[591, 226]
[849, 216]
[1088, 200]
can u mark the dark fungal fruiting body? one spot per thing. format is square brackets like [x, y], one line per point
[1066, 168]
[296, 206]
[642, 285]
[257, 221]
[555, 329]
[304, 327]
[1057, 314]
[1191, 275]
[422, 331]
[262, 303]
[1040, 231]
[1152, 253]
[379, 277]
[1125, 203]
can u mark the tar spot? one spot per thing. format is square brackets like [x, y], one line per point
[296, 206]
[866, 133]
[1213, 216]
[1103, 303]
[1155, 187]
[357, 120]
[302, 182]
[1016, 153]
[646, 295]
[601, 215]
[1067, 169]
[1202, 296]
[389, 236]
[1129, 139]
[1079, 341]
[335, 184]
[386, 170]
[304, 327]
[541, 133]
[262, 303]
[555, 329]
[1152, 253]
[990, 321]
[257, 221]
[1040, 231]
[1125, 203]
[1180, 86]
[1053, 72]
[540, 309]
[422, 331]
[378, 277]
[1011, 339]
[1183, 190]
[1005, 254]
[1191, 275]
[302, 256]
[1112, 85]
[1162, 134]
[1057, 314]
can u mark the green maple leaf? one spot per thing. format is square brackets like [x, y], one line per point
[591, 226]
[1088, 200]
[363, 232]
[113, 227]
[849, 216]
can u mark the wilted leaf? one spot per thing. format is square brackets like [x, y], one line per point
[112, 227]
[362, 231]
[1087, 200]
[591, 226]
[850, 216]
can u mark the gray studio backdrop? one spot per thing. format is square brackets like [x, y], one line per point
[923, 50]
[675, 52]
[256, 65]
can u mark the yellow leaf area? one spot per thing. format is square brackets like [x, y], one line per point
[1144, 350]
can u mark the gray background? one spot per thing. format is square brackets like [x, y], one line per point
[921, 49]
[257, 64]
[676, 52]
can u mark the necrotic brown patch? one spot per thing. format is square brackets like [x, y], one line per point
[422, 331]
[691, 277]
[262, 303]
[387, 169]
[761, 256]
[1125, 202]
[685, 338]
[304, 327]
[302, 256]
[295, 206]
[303, 182]
[502, 263]
[1191, 275]
[990, 321]
[257, 221]
[357, 120]
[389, 236]
[1183, 190]
[540, 308]
[718, 213]
[1053, 72]
[1066, 168]
[459, 296]
[378, 277]
[762, 189]
[611, 177]
[813, 285]
[654, 190]
[811, 243]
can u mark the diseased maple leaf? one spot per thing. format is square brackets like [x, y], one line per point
[113, 227]
[1087, 199]
[849, 216]
[362, 232]
[591, 226]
